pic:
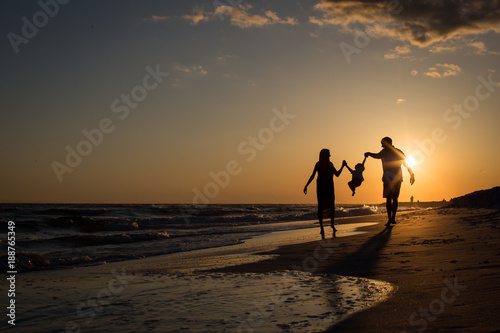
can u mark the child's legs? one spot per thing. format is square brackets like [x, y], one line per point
[351, 185]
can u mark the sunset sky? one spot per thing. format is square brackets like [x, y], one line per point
[159, 101]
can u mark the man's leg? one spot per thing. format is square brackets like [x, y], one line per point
[388, 207]
[394, 209]
[395, 196]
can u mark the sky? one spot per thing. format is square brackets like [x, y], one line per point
[231, 101]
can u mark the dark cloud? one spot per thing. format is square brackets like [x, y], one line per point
[419, 22]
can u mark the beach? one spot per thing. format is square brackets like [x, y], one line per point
[445, 264]
[436, 271]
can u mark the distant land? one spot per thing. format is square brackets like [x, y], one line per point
[479, 199]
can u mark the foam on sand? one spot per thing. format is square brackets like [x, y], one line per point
[208, 302]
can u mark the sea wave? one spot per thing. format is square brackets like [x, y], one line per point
[55, 235]
[92, 240]
[28, 261]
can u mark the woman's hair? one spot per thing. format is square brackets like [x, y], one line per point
[324, 160]
[324, 155]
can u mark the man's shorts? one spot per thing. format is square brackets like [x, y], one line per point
[391, 190]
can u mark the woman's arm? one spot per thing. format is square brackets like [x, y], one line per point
[310, 180]
[337, 173]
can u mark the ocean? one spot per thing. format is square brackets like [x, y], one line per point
[58, 235]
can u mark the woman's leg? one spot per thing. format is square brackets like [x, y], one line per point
[332, 213]
[320, 213]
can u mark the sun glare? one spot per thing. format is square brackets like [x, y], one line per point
[411, 161]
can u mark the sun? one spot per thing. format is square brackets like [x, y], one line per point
[411, 161]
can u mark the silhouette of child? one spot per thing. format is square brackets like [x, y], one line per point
[357, 176]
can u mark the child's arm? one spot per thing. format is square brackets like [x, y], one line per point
[348, 168]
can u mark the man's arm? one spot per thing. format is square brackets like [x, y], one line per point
[372, 155]
[410, 171]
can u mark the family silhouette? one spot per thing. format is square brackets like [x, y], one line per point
[392, 177]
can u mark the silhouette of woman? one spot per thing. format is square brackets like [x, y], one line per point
[324, 187]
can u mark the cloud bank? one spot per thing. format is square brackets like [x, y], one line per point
[443, 70]
[420, 22]
[239, 16]
[397, 52]
[191, 69]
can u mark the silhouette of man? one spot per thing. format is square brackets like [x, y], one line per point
[392, 159]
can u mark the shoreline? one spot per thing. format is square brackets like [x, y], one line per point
[250, 251]
[445, 264]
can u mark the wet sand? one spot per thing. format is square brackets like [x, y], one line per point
[444, 263]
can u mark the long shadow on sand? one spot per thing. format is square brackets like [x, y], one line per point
[362, 262]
